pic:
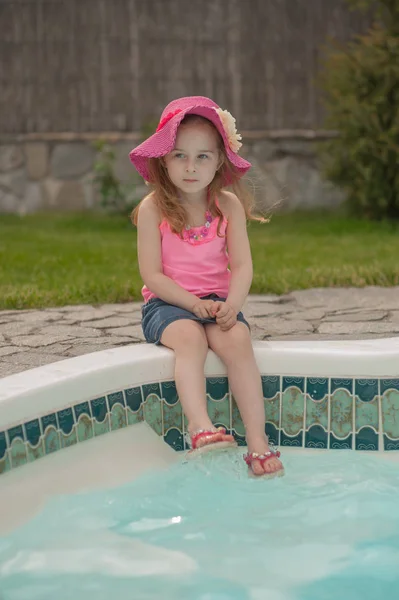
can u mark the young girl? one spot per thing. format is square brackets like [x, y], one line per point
[192, 300]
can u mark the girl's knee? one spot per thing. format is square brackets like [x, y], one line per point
[185, 336]
[240, 333]
[236, 341]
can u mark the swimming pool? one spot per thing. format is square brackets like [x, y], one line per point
[341, 395]
[204, 531]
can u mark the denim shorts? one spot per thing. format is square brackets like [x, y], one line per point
[157, 315]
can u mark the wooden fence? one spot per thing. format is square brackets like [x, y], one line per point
[112, 65]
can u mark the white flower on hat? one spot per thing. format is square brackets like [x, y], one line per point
[229, 125]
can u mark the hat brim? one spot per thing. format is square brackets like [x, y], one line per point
[163, 141]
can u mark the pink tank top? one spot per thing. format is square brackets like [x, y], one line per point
[199, 266]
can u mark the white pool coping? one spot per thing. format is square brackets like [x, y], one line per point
[35, 392]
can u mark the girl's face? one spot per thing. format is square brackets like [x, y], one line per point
[193, 162]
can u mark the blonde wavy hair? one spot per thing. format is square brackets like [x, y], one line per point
[165, 193]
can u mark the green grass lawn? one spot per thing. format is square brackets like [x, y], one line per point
[53, 260]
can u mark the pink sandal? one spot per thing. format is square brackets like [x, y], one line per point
[194, 438]
[262, 458]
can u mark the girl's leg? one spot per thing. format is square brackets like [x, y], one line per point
[234, 347]
[188, 340]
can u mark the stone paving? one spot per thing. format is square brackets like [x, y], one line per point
[31, 338]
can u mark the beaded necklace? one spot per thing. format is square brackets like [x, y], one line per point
[193, 234]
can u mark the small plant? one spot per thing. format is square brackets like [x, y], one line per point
[115, 196]
[361, 85]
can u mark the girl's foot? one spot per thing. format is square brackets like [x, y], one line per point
[204, 440]
[264, 462]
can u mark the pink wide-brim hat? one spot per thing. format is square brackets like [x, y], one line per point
[163, 140]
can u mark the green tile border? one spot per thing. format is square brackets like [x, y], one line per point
[308, 412]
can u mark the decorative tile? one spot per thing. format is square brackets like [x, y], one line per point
[32, 432]
[272, 409]
[347, 416]
[341, 384]
[18, 453]
[118, 417]
[152, 411]
[17, 448]
[341, 412]
[133, 397]
[82, 409]
[134, 417]
[35, 443]
[287, 440]
[316, 437]
[316, 413]
[66, 420]
[272, 433]
[270, 385]
[84, 428]
[366, 414]
[217, 387]
[388, 445]
[117, 411]
[48, 420]
[366, 389]
[84, 423]
[51, 436]
[68, 439]
[389, 389]
[174, 438]
[172, 416]
[14, 433]
[317, 387]
[298, 382]
[99, 410]
[366, 439]
[219, 411]
[292, 410]
[150, 389]
[341, 444]
[390, 413]
[51, 439]
[3, 444]
[389, 384]
[237, 425]
[115, 398]
[169, 392]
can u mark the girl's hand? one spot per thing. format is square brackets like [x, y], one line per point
[226, 315]
[204, 309]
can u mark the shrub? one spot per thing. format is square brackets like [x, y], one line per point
[361, 91]
[116, 197]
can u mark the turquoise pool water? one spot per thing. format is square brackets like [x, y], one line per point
[204, 531]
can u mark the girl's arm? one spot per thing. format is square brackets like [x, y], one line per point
[239, 251]
[150, 262]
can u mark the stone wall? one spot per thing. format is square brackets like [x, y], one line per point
[55, 172]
